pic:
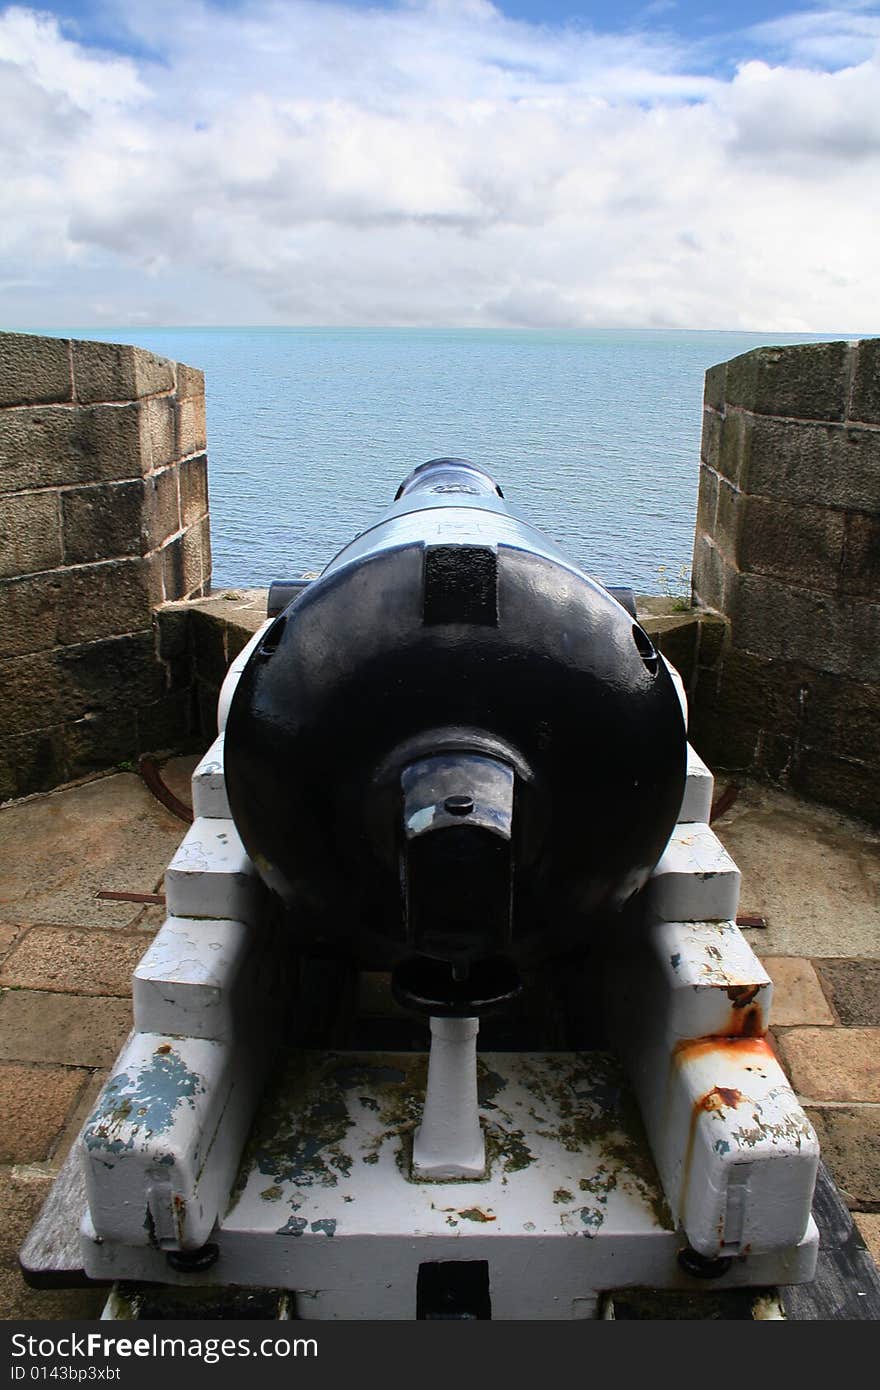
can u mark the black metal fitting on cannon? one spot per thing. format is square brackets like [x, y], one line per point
[703, 1266]
[193, 1261]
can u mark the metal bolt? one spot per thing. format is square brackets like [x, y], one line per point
[458, 805]
[193, 1261]
[702, 1266]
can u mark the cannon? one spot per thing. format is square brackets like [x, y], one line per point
[452, 776]
[457, 720]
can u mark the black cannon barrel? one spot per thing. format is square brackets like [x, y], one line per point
[454, 753]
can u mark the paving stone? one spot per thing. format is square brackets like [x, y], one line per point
[869, 1228]
[849, 1138]
[854, 988]
[797, 994]
[58, 851]
[812, 873]
[35, 1103]
[7, 936]
[832, 1063]
[84, 1108]
[23, 1190]
[74, 961]
[66, 1028]
[17, 1300]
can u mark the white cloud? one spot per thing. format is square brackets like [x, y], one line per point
[436, 163]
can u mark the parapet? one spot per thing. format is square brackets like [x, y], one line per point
[103, 519]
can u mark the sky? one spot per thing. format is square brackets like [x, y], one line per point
[558, 165]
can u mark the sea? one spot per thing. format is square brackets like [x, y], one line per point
[594, 436]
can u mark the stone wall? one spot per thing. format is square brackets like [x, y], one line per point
[787, 549]
[103, 519]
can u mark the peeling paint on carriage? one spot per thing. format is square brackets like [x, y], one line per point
[149, 1097]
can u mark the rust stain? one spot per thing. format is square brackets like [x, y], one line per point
[179, 1215]
[745, 1022]
[742, 995]
[718, 1097]
[166, 1047]
[736, 1048]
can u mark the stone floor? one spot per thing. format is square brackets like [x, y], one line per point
[66, 959]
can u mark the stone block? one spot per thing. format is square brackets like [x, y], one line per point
[166, 724]
[115, 675]
[63, 1028]
[676, 637]
[193, 474]
[106, 599]
[192, 435]
[786, 623]
[806, 381]
[47, 688]
[728, 713]
[237, 638]
[172, 623]
[713, 576]
[74, 961]
[802, 544]
[182, 565]
[209, 647]
[190, 381]
[204, 533]
[33, 369]
[842, 717]
[32, 762]
[860, 564]
[865, 404]
[207, 696]
[797, 993]
[825, 464]
[715, 386]
[849, 785]
[34, 1102]
[849, 1137]
[854, 988]
[733, 446]
[710, 442]
[774, 755]
[30, 613]
[103, 521]
[832, 1064]
[53, 446]
[30, 533]
[158, 431]
[707, 500]
[713, 632]
[161, 518]
[29, 694]
[99, 741]
[118, 372]
[729, 516]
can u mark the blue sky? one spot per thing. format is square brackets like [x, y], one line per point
[441, 162]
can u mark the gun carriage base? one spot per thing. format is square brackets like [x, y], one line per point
[634, 1130]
